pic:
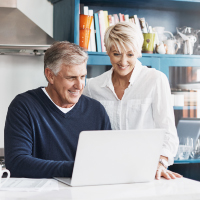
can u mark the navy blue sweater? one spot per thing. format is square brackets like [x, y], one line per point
[41, 140]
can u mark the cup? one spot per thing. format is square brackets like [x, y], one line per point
[178, 100]
[2, 171]
[172, 46]
[85, 21]
[84, 38]
[148, 44]
[160, 48]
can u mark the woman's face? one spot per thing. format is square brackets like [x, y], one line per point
[123, 62]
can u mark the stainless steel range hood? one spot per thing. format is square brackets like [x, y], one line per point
[18, 34]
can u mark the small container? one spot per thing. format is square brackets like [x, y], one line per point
[178, 100]
[84, 38]
[85, 21]
[148, 44]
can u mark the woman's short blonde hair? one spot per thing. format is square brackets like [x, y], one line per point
[122, 35]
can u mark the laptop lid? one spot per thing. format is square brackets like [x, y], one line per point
[117, 156]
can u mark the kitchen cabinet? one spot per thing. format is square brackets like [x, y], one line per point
[167, 13]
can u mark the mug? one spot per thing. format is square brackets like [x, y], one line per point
[172, 46]
[178, 100]
[1, 174]
[148, 44]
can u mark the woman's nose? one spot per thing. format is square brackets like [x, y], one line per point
[123, 60]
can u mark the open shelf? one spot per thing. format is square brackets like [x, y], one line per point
[184, 107]
[187, 161]
[157, 61]
[185, 5]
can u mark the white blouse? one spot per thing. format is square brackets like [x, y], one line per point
[146, 104]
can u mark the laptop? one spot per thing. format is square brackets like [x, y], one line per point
[116, 157]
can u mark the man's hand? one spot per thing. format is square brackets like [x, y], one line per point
[163, 172]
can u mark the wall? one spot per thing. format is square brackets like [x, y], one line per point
[40, 12]
[22, 73]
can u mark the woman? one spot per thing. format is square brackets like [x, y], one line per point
[135, 96]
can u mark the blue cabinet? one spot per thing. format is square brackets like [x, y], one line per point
[167, 13]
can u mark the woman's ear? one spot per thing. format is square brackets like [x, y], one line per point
[49, 75]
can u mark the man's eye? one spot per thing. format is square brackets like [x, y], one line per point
[82, 77]
[130, 54]
[70, 78]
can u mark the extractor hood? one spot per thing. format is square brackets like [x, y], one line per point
[18, 34]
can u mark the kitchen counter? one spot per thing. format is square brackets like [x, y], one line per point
[163, 189]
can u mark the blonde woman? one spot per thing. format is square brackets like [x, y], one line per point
[135, 96]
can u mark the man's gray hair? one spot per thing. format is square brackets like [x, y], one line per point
[63, 52]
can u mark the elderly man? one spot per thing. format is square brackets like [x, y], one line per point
[43, 125]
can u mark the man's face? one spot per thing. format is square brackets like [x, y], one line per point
[67, 86]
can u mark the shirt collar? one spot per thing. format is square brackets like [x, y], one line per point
[136, 71]
[108, 79]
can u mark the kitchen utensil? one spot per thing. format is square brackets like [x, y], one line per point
[160, 48]
[148, 44]
[171, 46]
[161, 33]
[2, 171]
[190, 37]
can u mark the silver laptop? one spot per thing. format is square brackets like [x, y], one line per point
[116, 157]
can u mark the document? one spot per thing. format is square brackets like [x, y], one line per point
[26, 184]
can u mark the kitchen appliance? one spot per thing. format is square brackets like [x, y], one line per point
[189, 37]
[18, 34]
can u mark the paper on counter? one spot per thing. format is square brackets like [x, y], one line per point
[26, 184]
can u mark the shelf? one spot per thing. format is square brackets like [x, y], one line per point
[158, 61]
[154, 55]
[185, 107]
[184, 5]
[187, 161]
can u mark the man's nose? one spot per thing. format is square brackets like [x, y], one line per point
[79, 84]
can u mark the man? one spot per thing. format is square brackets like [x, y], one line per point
[43, 125]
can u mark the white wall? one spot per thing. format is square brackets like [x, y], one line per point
[22, 73]
[18, 74]
[40, 12]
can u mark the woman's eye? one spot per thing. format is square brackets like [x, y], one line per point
[130, 54]
[116, 54]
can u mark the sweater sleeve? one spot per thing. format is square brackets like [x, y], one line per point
[19, 159]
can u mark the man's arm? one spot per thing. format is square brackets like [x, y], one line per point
[19, 141]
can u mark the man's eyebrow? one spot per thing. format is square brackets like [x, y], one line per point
[75, 76]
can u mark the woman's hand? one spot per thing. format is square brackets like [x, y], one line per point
[167, 174]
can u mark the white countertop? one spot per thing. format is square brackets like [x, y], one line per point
[158, 189]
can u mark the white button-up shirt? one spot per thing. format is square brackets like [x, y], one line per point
[146, 104]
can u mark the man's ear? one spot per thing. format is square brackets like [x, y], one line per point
[50, 75]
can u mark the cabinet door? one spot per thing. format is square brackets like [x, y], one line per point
[150, 61]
